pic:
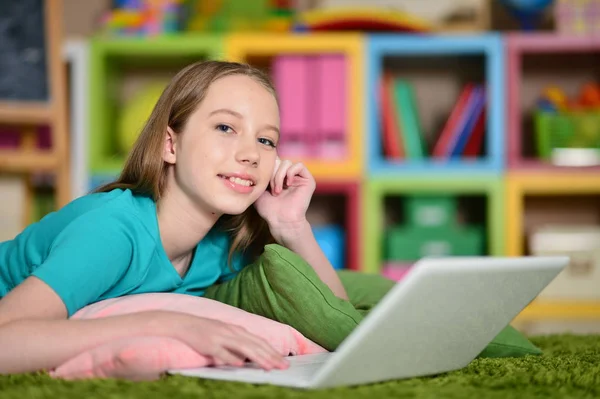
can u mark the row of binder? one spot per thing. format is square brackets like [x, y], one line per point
[313, 99]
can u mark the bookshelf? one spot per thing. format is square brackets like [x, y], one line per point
[119, 69]
[259, 50]
[365, 191]
[29, 115]
[535, 62]
[344, 198]
[338, 178]
[421, 60]
[550, 185]
[539, 191]
[375, 190]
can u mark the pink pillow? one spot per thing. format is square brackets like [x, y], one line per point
[142, 358]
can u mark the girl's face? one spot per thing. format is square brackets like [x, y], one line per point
[225, 157]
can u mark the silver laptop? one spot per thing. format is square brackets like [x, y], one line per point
[437, 319]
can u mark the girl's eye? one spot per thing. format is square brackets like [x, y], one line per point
[268, 142]
[224, 128]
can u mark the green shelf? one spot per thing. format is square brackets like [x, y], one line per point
[109, 58]
[376, 189]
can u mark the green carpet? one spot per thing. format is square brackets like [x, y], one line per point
[569, 368]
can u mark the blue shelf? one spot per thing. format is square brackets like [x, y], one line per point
[379, 167]
[489, 46]
[98, 180]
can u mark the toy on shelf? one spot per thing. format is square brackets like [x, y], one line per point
[527, 12]
[396, 16]
[238, 15]
[143, 17]
[371, 19]
[134, 114]
[432, 230]
[579, 18]
[568, 129]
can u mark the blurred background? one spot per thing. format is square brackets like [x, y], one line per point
[433, 127]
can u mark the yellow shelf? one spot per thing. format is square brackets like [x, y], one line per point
[554, 183]
[244, 47]
[521, 184]
[563, 310]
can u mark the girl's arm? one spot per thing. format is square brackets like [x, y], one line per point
[302, 241]
[35, 334]
[283, 205]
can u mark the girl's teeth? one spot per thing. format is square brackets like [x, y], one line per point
[239, 181]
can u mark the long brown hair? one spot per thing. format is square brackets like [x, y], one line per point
[145, 171]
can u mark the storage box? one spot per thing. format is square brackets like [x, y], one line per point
[14, 192]
[566, 130]
[410, 244]
[581, 278]
[431, 211]
[331, 239]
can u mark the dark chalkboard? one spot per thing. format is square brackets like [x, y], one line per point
[23, 73]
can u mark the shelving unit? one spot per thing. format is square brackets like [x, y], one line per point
[258, 48]
[411, 57]
[334, 177]
[352, 223]
[29, 116]
[111, 59]
[519, 186]
[364, 187]
[536, 61]
[375, 190]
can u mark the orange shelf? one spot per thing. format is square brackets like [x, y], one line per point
[27, 161]
[25, 113]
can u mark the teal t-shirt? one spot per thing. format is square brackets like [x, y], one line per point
[106, 245]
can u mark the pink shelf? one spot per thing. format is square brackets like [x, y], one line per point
[517, 47]
[395, 271]
[352, 220]
[532, 165]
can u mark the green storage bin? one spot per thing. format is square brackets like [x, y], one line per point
[431, 211]
[566, 130]
[410, 244]
[43, 204]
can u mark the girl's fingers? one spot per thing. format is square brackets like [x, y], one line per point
[255, 348]
[274, 357]
[280, 175]
[297, 170]
[249, 351]
[224, 357]
[272, 180]
[287, 175]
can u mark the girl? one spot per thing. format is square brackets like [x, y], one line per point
[202, 189]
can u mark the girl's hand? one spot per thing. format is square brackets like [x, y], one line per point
[226, 344]
[283, 205]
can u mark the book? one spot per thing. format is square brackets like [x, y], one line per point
[406, 107]
[451, 127]
[391, 135]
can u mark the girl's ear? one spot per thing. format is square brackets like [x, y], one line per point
[169, 153]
